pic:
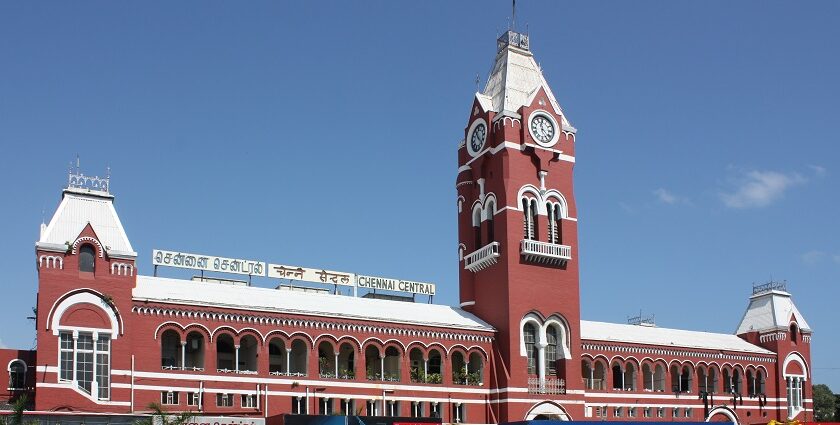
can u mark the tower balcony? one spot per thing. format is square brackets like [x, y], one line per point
[482, 258]
[545, 253]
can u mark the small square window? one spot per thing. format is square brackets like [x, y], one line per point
[631, 412]
[192, 399]
[224, 400]
[617, 412]
[676, 412]
[249, 400]
[687, 412]
[647, 412]
[169, 398]
[660, 412]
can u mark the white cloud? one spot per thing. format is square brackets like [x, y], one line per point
[813, 257]
[818, 170]
[667, 197]
[757, 189]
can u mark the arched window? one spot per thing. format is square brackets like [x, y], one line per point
[736, 381]
[617, 376]
[297, 358]
[529, 211]
[759, 382]
[529, 334]
[630, 377]
[713, 380]
[727, 382]
[326, 360]
[225, 353]
[170, 350]
[435, 367]
[659, 378]
[194, 351]
[551, 351]
[794, 333]
[248, 347]
[647, 377]
[87, 258]
[17, 375]
[417, 365]
[277, 357]
[373, 365]
[459, 369]
[750, 383]
[491, 231]
[392, 364]
[685, 379]
[555, 224]
[477, 226]
[346, 361]
[475, 370]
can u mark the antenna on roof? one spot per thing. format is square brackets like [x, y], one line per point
[641, 320]
[513, 17]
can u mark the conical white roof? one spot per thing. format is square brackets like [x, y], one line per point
[79, 207]
[515, 78]
[771, 310]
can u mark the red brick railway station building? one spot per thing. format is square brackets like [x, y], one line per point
[112, 341]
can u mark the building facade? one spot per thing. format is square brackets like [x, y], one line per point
[112, 341]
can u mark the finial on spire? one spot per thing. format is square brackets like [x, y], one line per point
[77, 180]
[513, 17]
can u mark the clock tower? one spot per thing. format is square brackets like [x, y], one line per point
[517, 228]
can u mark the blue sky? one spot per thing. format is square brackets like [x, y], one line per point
[324, 135]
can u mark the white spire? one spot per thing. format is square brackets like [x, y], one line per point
[516, 78]
[771, 308]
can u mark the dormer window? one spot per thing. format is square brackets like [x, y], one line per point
[87, 258]
[794, 333]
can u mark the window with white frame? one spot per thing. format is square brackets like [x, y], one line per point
[555, 223]
[224, 400]
[393, 408]
[17, 375]
[794, 395]
[249, 401]
[169, 397]
[647, 412]
[370, 407]
[529, 211]
[687, 412]
[325, 406]
[297, 405]
[631, 412]
[617, 412]
[434, 410]
[660, 412]
[676, 412]
[85, 358]
[192, 399]
[416, 409]
[551, 351]
[459, 411]
[348, 407]
[529, 332]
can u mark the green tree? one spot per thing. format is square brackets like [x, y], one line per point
[161, 417]
[824, 403]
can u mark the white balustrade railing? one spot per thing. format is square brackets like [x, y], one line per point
[544, 252]
[482, 258]
[547, 386]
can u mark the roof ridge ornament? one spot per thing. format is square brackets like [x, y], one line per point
[77, 180]
[769, 287]
[513, 39]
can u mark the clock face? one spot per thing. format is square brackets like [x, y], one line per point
[479, 134]
[542, 129]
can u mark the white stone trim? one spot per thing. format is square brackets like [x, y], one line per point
[88, 296]
[51, 261]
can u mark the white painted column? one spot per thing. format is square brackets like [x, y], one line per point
[75, 357]
[382, 369]
[336, 365]
[426, 370]
[288, 361]
[591, 376]
[183, 355]
[94, 385]
[236, 361]
[541, 362]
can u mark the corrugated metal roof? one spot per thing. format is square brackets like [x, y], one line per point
[76, 210]
[665, 337]
[770, 311]
[312, 304]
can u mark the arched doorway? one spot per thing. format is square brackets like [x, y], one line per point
[547, 411]
[722, 414]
